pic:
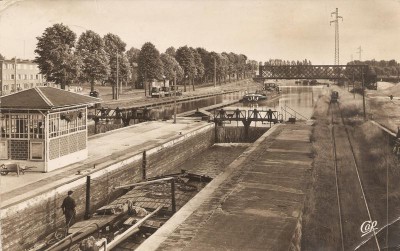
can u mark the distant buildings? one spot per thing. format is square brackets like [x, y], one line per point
[18, 75]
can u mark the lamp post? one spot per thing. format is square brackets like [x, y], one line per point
[186, 80]
[174, 97]
[215, 72]
[117, 89]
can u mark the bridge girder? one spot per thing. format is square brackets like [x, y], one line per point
[331, 72]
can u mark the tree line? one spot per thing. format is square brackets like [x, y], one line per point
[278, 62]
[382, 68]
[65, 59]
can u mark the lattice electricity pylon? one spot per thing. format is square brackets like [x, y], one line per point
[336, 21]
[331, 72]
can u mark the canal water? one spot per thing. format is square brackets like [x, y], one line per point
[215, 159]
[294, 101]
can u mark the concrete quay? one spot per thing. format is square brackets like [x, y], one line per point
[256, 204]
[105, 147]
[115, 158]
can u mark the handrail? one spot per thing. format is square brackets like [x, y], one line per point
[284, 110]
[145, 183]
[294, 112]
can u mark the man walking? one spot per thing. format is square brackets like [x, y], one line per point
[68, 207]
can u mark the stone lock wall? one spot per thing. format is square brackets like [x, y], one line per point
[237, 134]
[23, 223]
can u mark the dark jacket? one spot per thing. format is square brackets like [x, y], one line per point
[68, 205]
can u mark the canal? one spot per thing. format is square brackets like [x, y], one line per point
[297, 101]
[213, 160]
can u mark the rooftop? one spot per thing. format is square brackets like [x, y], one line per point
[46, 98]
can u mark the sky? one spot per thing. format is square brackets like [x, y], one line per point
[260, 29]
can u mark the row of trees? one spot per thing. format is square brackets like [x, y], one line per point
[90, 59]
[382, 68]
[278, 62]
[189, 65]
[64, 59]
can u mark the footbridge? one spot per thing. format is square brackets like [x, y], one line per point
[331, 72]
[246, 116]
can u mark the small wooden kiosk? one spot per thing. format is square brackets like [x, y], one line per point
[44, 127]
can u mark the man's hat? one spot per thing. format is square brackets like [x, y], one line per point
[70, 192]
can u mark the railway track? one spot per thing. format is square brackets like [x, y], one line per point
[353, 209]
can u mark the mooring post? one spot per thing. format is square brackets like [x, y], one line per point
[246, 123]
[173, 203]
[246, 132]
[144, 163]
[215, 132]
[87, 208]
[96, 120]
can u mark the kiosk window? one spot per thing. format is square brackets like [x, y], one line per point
[36, 150]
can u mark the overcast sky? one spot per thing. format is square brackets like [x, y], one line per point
[285, 29]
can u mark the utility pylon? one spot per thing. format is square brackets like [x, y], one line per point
[336, 21]
[359, 52]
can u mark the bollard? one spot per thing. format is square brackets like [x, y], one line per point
[87, 207]
[173, 203]
[144, 163]
[216, 132]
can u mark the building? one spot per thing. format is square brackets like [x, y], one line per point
[44, 127]
[17, 75]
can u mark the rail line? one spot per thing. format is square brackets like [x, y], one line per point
[336, 180]
[344, 178]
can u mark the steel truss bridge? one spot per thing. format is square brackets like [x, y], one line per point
[331, 72]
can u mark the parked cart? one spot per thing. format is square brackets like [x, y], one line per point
[13, 168]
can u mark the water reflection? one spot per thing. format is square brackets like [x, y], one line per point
[167, 111]
[294, 101]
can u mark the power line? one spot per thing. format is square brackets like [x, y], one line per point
[336, 21]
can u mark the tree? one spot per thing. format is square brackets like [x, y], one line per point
[171, 51]
[233, 65]
[149, 64]
[115, 49]
[171, 68]
[56, 59]
[199, 72]
[208, 63]
[224, 59]
[133, 57]
[241, 64]
[186, 60]
[95, 63]
[2, 57]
